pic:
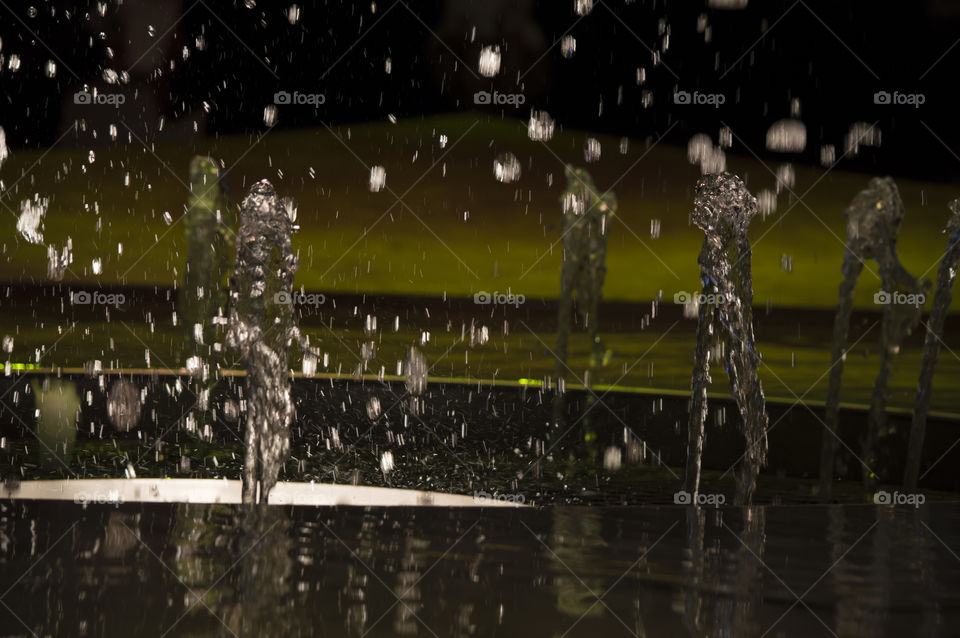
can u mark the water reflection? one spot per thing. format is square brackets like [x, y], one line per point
[183, 570]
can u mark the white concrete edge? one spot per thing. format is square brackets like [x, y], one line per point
[117, 491]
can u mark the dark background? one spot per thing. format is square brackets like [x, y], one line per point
[810, 52]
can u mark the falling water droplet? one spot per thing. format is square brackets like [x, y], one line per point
[489, 61]
[506, 168]
[540, 127]
[270, 115]
[378, 178]
[591, 150]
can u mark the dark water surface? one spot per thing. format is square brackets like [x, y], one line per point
[208, 570]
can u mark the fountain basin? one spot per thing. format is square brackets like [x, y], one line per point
[117, 491]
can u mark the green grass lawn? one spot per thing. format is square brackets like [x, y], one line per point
[458, 231]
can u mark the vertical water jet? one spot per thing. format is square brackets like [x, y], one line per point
[942, 298]
[723, 209]
[262, 327]
[210, 228]
[873, 221]
[586, 227]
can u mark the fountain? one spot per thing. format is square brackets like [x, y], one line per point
[210, 228]
[586, 219]
[262, 326]
[723, 209]
[873, 224]
[931, 347]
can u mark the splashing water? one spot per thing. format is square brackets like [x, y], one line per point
[938, 315]
[57, 263]
[30, 223]
[586, 223]
[873, 224]
[262, 326]
[415, 372]
[723, 209]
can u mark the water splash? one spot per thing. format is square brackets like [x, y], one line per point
[873, 224]
[723, 209]
[262, 326]
[586, 223]
[30, 222]
[931, 347]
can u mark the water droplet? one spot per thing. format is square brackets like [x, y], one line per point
[568, 46]
[50, 69]
[270, 115]
[386, 462]
[489, 61]
[378, 178]
[293, 14]
[828, 155]
[415, 370]
[612, 458]
[583, 7]
[540, 127]
[787, 136]
[506, 168]
[373, 408]
[591, 150]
